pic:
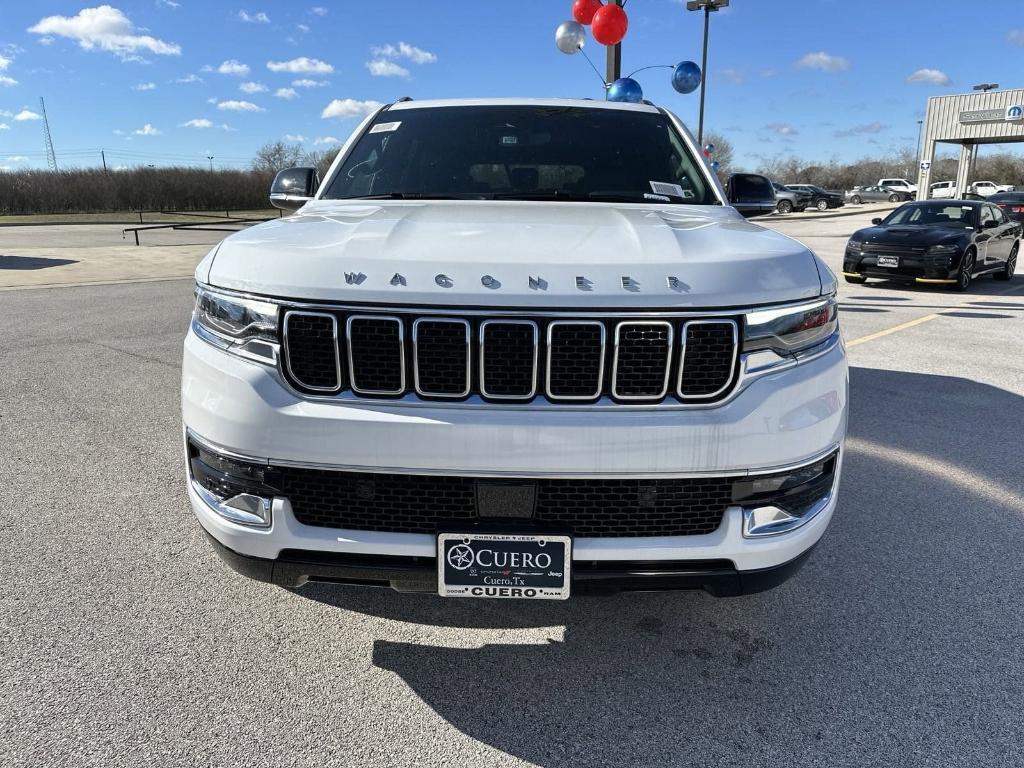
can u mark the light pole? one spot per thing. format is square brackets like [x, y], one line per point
[986, 87]
[917, 154]
[210, 158]
[707, 6]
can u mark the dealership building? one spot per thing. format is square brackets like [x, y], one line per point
[968, 119]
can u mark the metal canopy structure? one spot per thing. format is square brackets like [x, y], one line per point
[968, 119]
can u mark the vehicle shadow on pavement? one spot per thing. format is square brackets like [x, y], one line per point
[32, 262]
[894, 645]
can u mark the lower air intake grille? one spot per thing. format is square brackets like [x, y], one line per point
[709, 357]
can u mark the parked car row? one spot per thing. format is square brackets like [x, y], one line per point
[877, 194]
[947, 189]
[800, 197]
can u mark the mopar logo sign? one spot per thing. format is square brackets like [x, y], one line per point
[1016, 112]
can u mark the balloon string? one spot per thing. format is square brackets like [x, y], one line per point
[653, 66]
[596, 72]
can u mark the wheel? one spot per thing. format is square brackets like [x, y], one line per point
[785, 206]
[894, 198]
[964, 274]
[856, 200]
[1011, 264]
[821, 205]
[857, 279]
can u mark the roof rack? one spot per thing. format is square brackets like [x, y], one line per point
[404, 98]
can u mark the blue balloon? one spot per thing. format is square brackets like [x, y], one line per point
[715, 165]
[625, 89]
[686, 77]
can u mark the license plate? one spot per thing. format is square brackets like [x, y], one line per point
[888, 261]
[499, 565]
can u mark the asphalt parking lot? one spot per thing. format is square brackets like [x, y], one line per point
[126, 642]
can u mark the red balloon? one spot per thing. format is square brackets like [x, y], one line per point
[609, 24]
[583, 10]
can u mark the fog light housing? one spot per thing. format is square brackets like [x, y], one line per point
[783, 501]
[238, 491]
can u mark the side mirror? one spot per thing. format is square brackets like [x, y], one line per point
[293, 188]
[876, 221]
[751, 194]
[990, 224]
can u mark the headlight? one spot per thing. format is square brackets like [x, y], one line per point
[943, 250]
[791, 329]
[855, 247]
[244, 327]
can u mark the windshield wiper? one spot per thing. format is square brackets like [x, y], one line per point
[558, 194]
[402, 196]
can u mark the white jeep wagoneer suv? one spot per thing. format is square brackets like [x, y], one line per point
[514, 348]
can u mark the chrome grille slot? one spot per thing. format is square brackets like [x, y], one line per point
[575, 362]
[441, 356]
[311, 350]
[643, 357]
[508, 359]
[709, 353]
[376, 354]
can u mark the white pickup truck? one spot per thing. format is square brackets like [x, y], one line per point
[901, 185]
[989, 188]
[514, 348]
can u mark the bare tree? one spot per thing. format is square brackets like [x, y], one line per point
[276, 155]
[723, 152]
[321, 160]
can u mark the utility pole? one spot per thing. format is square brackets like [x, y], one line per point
[210, 158]
[103, 157]
[613, 65]
[51, 157]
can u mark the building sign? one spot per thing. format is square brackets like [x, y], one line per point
[984, 116]
[1015, 113]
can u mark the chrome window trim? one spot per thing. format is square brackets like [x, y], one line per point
[337, 350]
[416, 356]
[600, 371]
[668, 360]
[483, 348]
[739, 473]
[401, 354]
[732, 364]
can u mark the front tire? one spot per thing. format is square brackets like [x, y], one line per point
[821, 205]
[964, 274]
[856, 200]
[785, 206]
[894, 198]
[1011, 264]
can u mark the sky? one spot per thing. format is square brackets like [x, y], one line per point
[176, 81]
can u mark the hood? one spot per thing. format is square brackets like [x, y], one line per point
[910, 236]
[517, 254]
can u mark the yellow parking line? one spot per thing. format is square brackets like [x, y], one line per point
[925, 319]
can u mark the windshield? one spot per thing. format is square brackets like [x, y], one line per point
[522, 152]
[933, 215]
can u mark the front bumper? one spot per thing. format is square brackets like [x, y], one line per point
[780, 419]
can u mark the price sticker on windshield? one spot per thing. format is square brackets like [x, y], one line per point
[386, 127]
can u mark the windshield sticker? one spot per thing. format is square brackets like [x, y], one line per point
[385, 127]
[664, 188]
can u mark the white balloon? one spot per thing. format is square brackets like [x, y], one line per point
[570, 36]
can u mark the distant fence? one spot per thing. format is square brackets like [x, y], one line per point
[134, 189]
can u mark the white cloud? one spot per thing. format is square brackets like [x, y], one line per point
[146, 130]
[301, 65]
[824, 62]
[302, 27]
[782, 129]
[860, 130]
[144, 87]
[252, 88]
[27, 114]
[16, 159]
[193, 78]
[197, 122]
[294, 137]
[7, 81]
[226, 127]
[307, 83]
[4, 127]
[350, 108]
[286, 93]
[318, 10]
[327, 140]
[239, 106]
[929, 77]
[1015, 37]
[168, 3]
[106, 28]
[212, 100]
[5, 62]
[385, 68]
[254, 18]
[732, 75]
[230, 67]
[405, 51]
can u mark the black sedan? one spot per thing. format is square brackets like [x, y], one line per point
[820, 198]
[1012, 204]
[948, 242]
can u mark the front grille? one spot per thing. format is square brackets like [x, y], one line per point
[513, 359]
[887, 249]
[427, 503]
